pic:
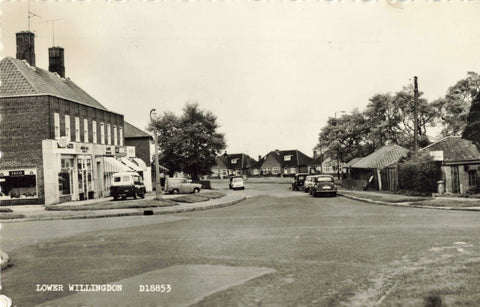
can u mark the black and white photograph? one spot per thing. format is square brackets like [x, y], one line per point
[239, 153]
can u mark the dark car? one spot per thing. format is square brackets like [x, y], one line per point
[125, 184]
[324, 185]
[299, 182]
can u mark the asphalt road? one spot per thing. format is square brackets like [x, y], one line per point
[321, 251]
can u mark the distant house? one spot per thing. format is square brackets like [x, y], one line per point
[315, 166]
[282, 162]
[381, 164]
[460, 163]
[139, 141]
[233, 164]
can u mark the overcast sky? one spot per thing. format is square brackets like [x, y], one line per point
[271, 71]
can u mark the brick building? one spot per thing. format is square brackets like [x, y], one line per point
[57, 143]
[282, 162]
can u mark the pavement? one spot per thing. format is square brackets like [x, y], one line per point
[38, 212]
[399, 200]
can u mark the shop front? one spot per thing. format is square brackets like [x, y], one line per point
[18, 184]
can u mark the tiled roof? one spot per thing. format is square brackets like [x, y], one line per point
[454, 149]
[133, 132]
[318, 160]
[351, 162]
[297, 158]
[244, 161]
[18, 78]
[383, 157]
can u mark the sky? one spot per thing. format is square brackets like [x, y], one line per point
[272, 71]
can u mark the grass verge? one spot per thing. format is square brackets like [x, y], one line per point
[195, 198]
[2, 210]
[448, 203]
[11, 216]
[129, 204]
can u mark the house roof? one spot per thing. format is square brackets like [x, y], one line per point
[383, 157]
[297, 158]
[133, 132]
[454, 149]
[20, 79]
[318, 160]
[243, 161]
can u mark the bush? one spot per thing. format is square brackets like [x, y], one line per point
[419, 175]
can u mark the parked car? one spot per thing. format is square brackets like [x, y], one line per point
[127, 184]
[309, 182]
[299, 181]
[325, 184]
[181, 185]
[236, 183]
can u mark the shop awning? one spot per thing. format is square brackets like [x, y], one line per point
[140, 162]
[133, 165]
[112, 165]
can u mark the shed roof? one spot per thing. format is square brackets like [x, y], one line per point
[454, 149]
[383, 157]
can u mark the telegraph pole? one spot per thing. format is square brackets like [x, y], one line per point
[415, 114]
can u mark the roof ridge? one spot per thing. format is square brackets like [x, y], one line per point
[446, 137]
[14, 62]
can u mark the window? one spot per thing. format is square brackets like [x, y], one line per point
[115, 139]
[287, 158]
[65, 176]
[56, 124]
[234, 161]
[224, 172]
[18, 183]
[472, 178]
[109, 135]
[68, 134]
[275, 170]
[102, 133]
[94, 132]
[85, 130]
[266, 170]
[120, 135]
[77, 129]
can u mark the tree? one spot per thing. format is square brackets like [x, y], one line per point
[455, 105]
[472, 127]
[189, 143]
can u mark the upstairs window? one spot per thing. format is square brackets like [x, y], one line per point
[94, 132]
[68, 133]
[77, 129]
[109, 135]
[102, 133]
[287, 158]
[120, 135]
[85, 130]
[234, 161]
[115, 138]
[56, 125]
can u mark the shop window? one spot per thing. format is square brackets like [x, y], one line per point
[65, 176]
[472, 178]
[18, 184]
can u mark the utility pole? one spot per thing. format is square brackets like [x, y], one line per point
[415, 114]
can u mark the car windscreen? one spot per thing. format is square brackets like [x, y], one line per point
[325, 179]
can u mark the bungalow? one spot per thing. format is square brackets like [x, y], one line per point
[282, 162]
[232, 164]
[460, 164]
[381, 164]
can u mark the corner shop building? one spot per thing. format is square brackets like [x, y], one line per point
[57, 143]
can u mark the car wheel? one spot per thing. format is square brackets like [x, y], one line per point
[115, 197]
[175, 191]
[196, 190]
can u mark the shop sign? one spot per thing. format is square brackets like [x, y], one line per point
[16, 173]
[131, 151]
[84, 149]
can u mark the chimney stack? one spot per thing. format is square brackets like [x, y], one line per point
[26, 47]
[56, 60]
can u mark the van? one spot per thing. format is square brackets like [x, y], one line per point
[127, 184]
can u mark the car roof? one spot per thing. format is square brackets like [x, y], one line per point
[125, 174]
